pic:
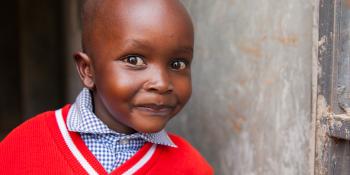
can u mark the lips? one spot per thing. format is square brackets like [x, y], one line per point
[154, 109]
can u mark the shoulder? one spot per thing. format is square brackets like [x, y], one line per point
[30, 144]
[27, 131]
[187, 156]
[35, 127]
[23, 142]
[182, 143]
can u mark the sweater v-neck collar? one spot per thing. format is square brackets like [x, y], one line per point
[80, 157]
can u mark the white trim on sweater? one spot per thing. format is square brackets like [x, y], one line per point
[84, 163]
[75, 151]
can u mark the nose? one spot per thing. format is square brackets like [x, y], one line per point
[159, 81]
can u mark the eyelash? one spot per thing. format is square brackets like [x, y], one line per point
[140, 59]
[184, 65]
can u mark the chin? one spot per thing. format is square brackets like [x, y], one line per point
[150, 129]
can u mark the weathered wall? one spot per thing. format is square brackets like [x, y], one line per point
[250, 112]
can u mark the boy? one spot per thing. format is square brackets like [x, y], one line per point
[135, 67]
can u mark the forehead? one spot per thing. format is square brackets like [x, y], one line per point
[133, 19]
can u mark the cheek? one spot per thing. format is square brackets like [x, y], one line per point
[120, 83]
[183, 89]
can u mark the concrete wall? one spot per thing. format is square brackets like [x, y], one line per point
[251, 109]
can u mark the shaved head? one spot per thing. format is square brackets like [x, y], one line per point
[89, 14]
[101, 16]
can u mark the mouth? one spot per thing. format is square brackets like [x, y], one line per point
[156, 110]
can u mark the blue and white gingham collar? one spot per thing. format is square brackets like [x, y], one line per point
[82, 119]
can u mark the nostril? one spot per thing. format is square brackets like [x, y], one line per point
[159, 87]
[158, 80]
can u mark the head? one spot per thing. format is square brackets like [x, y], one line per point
[136, 60]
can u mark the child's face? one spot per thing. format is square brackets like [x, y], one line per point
[140, 64]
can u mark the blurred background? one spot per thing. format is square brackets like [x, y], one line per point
[260, 82]
[38, 39]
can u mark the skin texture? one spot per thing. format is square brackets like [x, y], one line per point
[136, 61]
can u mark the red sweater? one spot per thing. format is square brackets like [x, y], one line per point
[43, 145]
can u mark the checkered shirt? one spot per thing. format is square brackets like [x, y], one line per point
[110, 148]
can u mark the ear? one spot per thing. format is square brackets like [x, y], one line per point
[84, 66]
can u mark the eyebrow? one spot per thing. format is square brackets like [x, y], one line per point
[147, 45]
[185, 49]
[138, 43]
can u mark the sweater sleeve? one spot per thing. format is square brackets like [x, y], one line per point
[186, 159]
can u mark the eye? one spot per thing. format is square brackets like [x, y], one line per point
[178, 65]
[134, 60]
